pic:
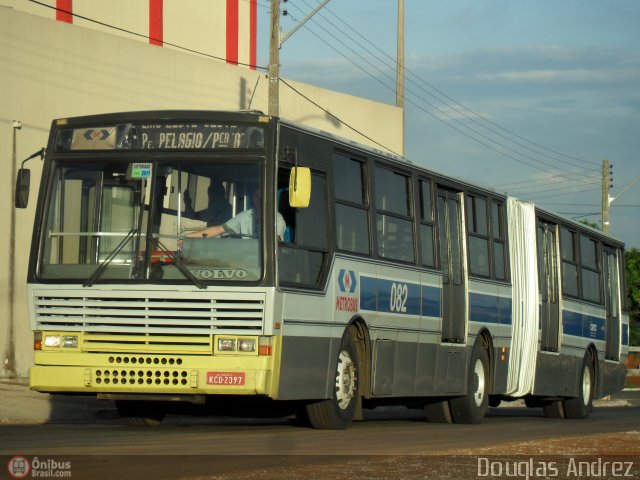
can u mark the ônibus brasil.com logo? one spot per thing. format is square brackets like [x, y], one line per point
[21, 467]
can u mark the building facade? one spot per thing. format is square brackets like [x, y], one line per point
[224, 29]
[54, 67]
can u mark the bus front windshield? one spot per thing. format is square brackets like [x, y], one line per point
[135, 220]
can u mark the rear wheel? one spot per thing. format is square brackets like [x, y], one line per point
[472, 407]
[438, 412]
[140, 414]
[554, 409]
[581, 406]
[337, 412]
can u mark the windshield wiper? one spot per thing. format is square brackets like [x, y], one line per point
[177, 261]
[105, 263]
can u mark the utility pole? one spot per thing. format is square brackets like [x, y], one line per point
[606, 179]
[274, 61]
[400, 66]
[275, 43]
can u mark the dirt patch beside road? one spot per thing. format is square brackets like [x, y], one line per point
[602, 456]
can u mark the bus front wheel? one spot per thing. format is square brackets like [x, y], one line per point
[337, 412]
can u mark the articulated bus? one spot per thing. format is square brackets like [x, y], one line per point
[360, 279]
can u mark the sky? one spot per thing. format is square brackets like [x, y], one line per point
[525, 97]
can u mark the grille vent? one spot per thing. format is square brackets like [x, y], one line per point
[161, 322]
[141, 377]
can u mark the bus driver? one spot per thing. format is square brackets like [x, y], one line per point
[246, 223]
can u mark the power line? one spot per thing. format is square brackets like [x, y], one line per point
[578, 215]
[491, 142]
[338, 119]
[455, 104]
[550, 187]
[565, 193]
[591, 205]
[360, 56]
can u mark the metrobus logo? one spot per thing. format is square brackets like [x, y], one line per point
[347, 281]
[347, 284]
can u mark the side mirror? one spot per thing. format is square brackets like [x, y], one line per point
[23, 181]
[299, 187]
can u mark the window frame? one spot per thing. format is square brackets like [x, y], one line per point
[363, 207]
[422, 221]
[500, 239]
[573, 261]
[381, 213]
[295, 246]
[472, 222]
[596, 268]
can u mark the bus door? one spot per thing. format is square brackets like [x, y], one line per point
[452, 258]
[549, 291]
[612, 299]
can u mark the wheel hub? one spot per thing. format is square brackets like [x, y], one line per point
[345, 380]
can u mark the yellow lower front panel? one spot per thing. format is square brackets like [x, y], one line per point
[153, 374]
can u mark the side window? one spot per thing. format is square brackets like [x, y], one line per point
[499, 238]
[352, 222]
[302, 253]
[426, 224]
[394, 225]
[476, 215]
[590, 270]
[569, 262]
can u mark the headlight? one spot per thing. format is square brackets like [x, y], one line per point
[57, 341]
[247, 345]
[70, 341]
[226, 344]
[52, 341]
[237, 345]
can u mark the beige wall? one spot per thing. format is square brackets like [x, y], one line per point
[198, 25]
[51, 69]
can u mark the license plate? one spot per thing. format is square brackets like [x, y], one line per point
[225, 378]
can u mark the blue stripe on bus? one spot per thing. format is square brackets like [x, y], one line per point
[625, 334]
[393, 297]
[417, 300]
[408, 298]
[582, 325]
[431, 298]
[368, 293]
[489, 309]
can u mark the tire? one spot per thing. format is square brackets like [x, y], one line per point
[554, 409]
[472, 407]
[580, 407]
[438, 412]
[337, 412]
[140, 414]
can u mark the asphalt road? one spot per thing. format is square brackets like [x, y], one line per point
[201, 447]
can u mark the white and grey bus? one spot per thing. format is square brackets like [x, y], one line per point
[386, 284]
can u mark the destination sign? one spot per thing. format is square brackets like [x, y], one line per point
[199, 136]
[162, 136]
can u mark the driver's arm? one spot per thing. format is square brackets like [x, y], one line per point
[213, 231]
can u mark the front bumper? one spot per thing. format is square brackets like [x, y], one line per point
[153, 374]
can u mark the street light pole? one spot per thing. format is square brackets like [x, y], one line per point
[10, 359]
